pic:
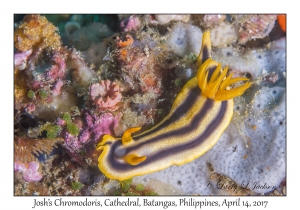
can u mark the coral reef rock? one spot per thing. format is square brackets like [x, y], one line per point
[254, 26]
[131, 23]
[106, 95]
[212, 20]
[37, 32]
[164, 19]
[92, 126]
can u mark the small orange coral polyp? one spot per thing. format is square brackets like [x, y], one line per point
[123, 45]
[123, 54]
[129, 40]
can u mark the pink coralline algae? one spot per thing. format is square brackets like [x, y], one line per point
[56, 90]
[92, 127]
[255, 26]
[213, 20]
[106, 95]
[131, 23]
[30, 172]
[21, 59]
[29, 107]
[45, 78]
[58, 70]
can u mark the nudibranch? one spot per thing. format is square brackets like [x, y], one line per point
[200, 113]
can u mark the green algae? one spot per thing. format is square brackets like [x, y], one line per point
[125, 185]
[72, 128]
[77, 185]
[140, 187]
[43, 94]
[52, 130]
[67, 117]
[31, 94]
[129, 189]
